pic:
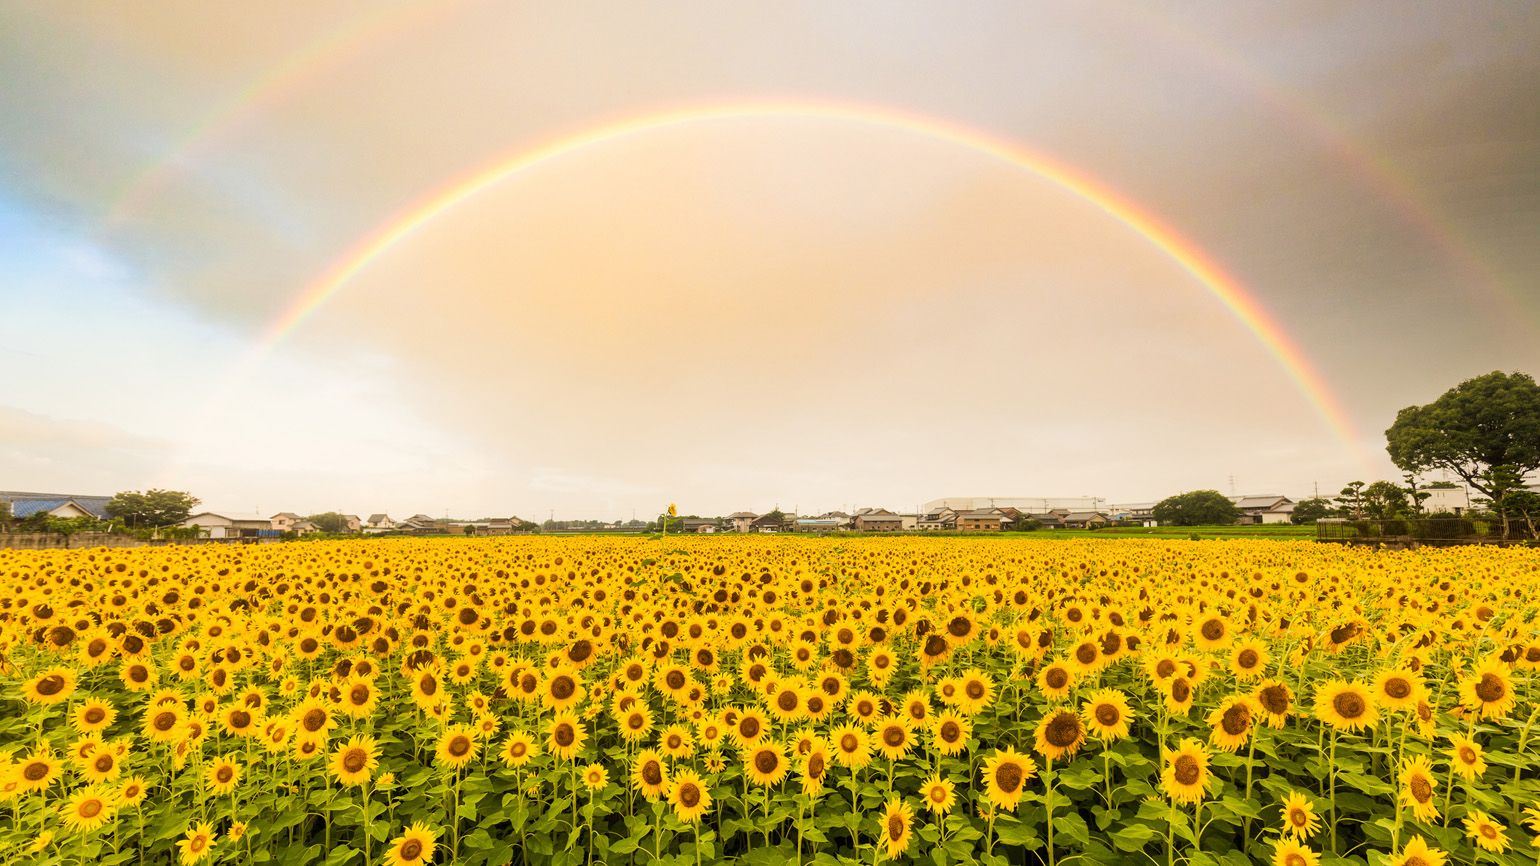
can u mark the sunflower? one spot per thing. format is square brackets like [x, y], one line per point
[354, 761]
[412, 848]
[1005, 776]
[1107, 715]
[894, 739]
[749, 727]
[864, 707]
[518, 749]
[1488, 690]
[594, 777]
[93, 715]
[1396, 689]
[131, 792]
[1466, 757]
[1055, 681]
[815, 767]
[566, 736]
[1179, 693]
[676, 742]
[1488, 835]
[457, 746]
[313, 718]
[950, 733]
[765, 764]
[359, 697]
[197, 844]
[562, 688]
[976, 691]
[689, 796]
[635, 722]
[1418, 785]
[649, 774]
[897, 827]
[1248, 659]
[1211, 632]
[1345, 706]
[1417, 852]
[938, 795]
[852, 746]
[880, 666]
[1299, 819]
[1186, 772]
[88, 809]
[1275, 700]
[1290, 852]
[786, 703]
[102, 765]
[52, 686]
[222, 776]
[1060, 734]
[1231, 722]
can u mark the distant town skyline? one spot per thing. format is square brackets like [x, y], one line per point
[479, 259]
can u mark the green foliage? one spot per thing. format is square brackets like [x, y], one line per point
[1311, 510]
[151, 508]
[1196, 508]
[329, 521]
[1488, 423]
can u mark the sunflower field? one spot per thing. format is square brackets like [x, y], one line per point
[769, 700]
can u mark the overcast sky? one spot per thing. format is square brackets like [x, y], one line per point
[804, 311]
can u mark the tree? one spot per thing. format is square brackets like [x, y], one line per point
[1524, 505]
[329, 521]
[152, 508]
[1485, 430]
[1196, 508]
[1311, 510]
[1351, 500]
[1384, 500]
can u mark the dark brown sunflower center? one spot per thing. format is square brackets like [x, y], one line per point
[1063, 731]
[1236, 720]
[1349, 705]
[896, 827]
[1085, 653]
[1165, 668]
[562, 688]
[354, 760]
[35, 771]
[1274, 699]
[1397, 688]
[1420, 789]
[50, 685]
[893, 736]
[1490, 688]
[849, 743]
[95, 715]
[1247, 659]
[1213, 629]
[240, 719]
[1108, 715]
[1008, 777]
[1180, 690]
[951, 732]
[91, 808]
[460, 746]
[411, 849]
[652, 773]
[564, 735]
[935, 645]
[224, 774]
[164, 721]
[1056, 678]
[689, 795]
[959, 626]
[359, 695]
[815, 766]
[766, 761]
[675, 679]
[314, 720]
[787, 701]
[749, 727]
[974, 689]
[1186, 770]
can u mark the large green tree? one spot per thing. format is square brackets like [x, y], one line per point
[329, 521]
[1485, 430]
[151, 508]
[1311, 510]
[1196, 508]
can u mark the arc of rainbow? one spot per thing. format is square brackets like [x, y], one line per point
[297, 70]
[1245, 308]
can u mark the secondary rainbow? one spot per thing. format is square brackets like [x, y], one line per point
[1208, 273]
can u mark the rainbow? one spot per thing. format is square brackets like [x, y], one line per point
[298, 70]
[1224, 288]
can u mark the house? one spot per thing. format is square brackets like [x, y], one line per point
[1028, 504]
[504, 526]
[878, 520]
[231, 524]
[285, 521]
[1084, 519]
[772, 522]
[1446, 500]
[938, 520]
[20, 506]
[351, 523]
[844, 520]
[986, 520]
[1264, 508]
[742, 521]
[1049, 519]
[818, 524]
[422, 524]
[697, 525]
[379, 523]
[1133, 513]
[909, 522]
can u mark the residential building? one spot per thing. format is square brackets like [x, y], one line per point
[1135, 513]
[1446, 500]
[1027, 504]
[698, 525]
[379, 523]
[939, 520]
[984, 520]
[878, 520]
[772, 522]
[284, 521]
[20, 505]
[231, 524]
[351, 523]
[1084, 519]
[742, 521]
[819, 524]
[1264, 508]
